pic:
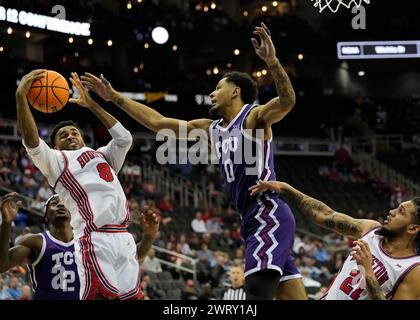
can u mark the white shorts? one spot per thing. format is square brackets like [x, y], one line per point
[107, 265]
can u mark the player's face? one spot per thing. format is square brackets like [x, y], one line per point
[57, 212]
[69, 138]
[400, 218]
[222, 96]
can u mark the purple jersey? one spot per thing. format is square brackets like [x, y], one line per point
[242, 160]
[54, 273]
[268, 224]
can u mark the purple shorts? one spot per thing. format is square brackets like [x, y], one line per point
[268, 228]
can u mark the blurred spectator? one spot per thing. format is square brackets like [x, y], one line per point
[185, 247]
[26, 293]
[165, 205]
[207, 293]
[13, 289]
[213, 225]
[4, 293]
[320, 254]
[198, 225]
[148, 187]
[151, 263]
[44, 192]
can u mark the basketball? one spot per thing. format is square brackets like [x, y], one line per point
[50, 93]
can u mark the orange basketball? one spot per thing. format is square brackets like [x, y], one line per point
[50, 93]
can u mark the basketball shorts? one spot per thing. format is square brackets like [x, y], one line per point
[107, 265]
[268, 228]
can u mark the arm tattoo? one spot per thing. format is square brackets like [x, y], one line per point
[322, 214]
[283, 85]
[307, 205]
[374, 289]
[341, 226]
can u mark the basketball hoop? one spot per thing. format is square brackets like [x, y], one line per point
[334, 5]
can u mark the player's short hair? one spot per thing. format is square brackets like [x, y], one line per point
[61, 125]
[416, 202]
[249, 90]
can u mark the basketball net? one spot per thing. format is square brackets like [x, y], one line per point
[334, 5]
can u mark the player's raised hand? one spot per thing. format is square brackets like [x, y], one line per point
[9, 207]
[84, 99]
[100, 86]
[26, 82]
[266, 49]
[149, 221]
[262, 186]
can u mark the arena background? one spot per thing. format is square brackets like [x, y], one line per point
[352, 140]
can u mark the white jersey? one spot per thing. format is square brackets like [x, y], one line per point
[87, 183]
[350, 283]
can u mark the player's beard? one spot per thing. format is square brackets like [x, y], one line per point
[387, 233]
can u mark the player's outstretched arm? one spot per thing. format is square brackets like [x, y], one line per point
[317, 211]
[10, 257]
[277, 108]
[86, 101]
[26, 122]
[143, 114]
[149, 222]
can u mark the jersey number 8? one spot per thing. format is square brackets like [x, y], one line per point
[105, 172]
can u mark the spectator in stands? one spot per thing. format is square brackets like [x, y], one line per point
[320, 254]
[225, 242]
[198, 225]
[151, 263]
[206, 293]
[213, 225]
[13, 289]
[148, 289]
[148, 187]
[207, 254]
[4, 294]
[185, 247]
[26, 293]
[221, 268]
[237, 290]
[165, 204]
[335, 263]
[45, 192]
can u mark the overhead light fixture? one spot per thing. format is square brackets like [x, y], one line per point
[160, 35]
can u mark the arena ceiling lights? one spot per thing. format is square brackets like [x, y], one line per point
[44, 22]
[378, 50]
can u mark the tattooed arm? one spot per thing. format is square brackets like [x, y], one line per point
[277, 108]
[317, 211]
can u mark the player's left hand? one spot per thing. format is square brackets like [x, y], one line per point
[361, 253]
[266, 50]
[149, 221]
[9, 207]
[84, 99]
